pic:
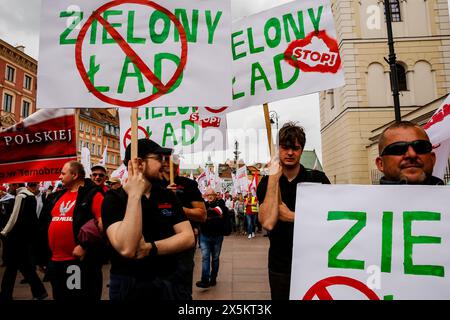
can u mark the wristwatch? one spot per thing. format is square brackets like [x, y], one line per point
[153, 250]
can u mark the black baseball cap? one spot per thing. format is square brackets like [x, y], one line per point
[146, 146]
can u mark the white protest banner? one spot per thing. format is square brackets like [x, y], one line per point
[242, 179]
[36, 148]
[371, 242]
[179, 128]
[285, 52]
[438, 129]
[132, 53]
[85, 160]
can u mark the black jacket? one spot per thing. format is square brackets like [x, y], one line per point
[215, 218]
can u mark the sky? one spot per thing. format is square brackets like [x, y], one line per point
[19, 25]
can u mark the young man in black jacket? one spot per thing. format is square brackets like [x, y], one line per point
[277, 213]
[406, 155]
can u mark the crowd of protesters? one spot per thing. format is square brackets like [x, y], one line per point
[149, 227]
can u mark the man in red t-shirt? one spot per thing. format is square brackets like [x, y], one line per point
[74, 271]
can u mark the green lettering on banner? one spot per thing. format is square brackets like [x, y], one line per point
[184, 110]
[279, 73]
[386, 246]
[125, 74]
[410, 240]
[236, 44]
[315, 20]
[159, 57]
[299, 32]
[212, 25]
[262, 76]
[130, 30]
[93, 69]
[93, 38]
[335, 251]
[169, 132]
[161, 37]
[155, 115]
[77, 17]
[237, 95]
[105, 36]
[191, 31]
[275, 24]
[169, 113]
[184, 125]
[251, 46]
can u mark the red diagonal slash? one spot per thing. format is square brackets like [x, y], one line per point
[140, 64]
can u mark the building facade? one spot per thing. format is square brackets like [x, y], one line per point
[98, 129]
[353, 116]
[18, 74]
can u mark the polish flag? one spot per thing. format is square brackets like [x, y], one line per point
[438, 129]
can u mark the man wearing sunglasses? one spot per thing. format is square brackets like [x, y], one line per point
[277, 213]
[406, 155]
[99, 176]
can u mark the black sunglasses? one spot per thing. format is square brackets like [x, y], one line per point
[400, 148]
[101, 175]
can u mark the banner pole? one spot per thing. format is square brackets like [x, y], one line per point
[134, 133]
[268, 129]
[77, 132]
[172, 177]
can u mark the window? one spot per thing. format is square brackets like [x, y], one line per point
[87, 146]
[99, 132]
[81, 145]
[7, 102]
[25, 109]
[395, 10]
[10, 72]
[93, 131]
[401, 77]
[81, 126]
[98, 151]
[27, 82]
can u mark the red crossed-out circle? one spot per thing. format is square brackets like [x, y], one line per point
[320, 288]
[218, 110]
[127, 135]
[140, 64]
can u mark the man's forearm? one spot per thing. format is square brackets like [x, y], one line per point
[268, 210]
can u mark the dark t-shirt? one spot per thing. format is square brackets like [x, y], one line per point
[159, 214]
[187, 192]
[282, 235]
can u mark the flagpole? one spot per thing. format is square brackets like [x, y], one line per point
[77, 132]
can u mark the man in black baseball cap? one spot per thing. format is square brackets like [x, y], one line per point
[147, 228]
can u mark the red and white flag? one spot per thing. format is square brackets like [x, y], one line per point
[36, 148]
[253, 185]
[438, 129]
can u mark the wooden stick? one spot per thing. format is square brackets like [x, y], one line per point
[172, 176]
[134, 132]
[268, 129]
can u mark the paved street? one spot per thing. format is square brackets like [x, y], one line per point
[242, 273]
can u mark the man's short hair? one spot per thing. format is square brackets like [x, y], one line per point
[401, 124]
[77, 168]
[290, 133]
